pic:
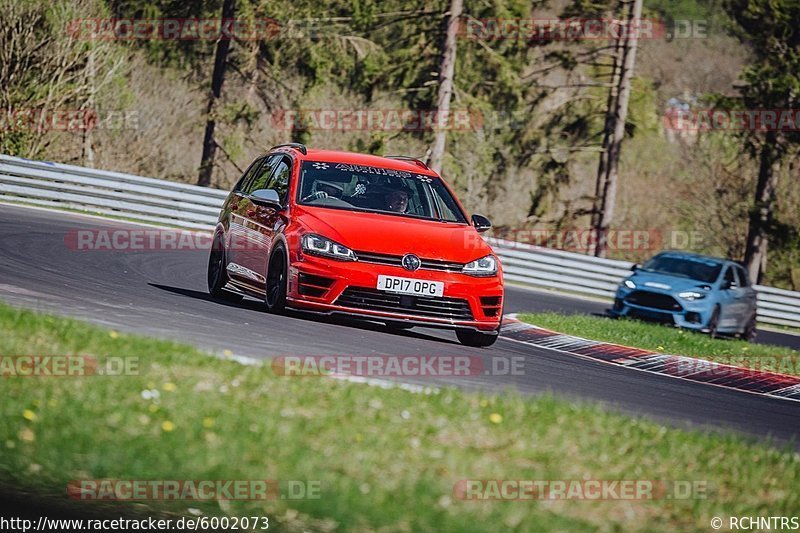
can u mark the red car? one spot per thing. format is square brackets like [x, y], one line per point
[383, 238]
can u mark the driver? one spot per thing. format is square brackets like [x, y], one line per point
[397, 201]
[325, 189]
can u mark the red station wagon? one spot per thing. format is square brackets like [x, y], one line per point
[383, 238]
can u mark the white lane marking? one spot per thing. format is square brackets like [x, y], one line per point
[372, 382]
[13, 289]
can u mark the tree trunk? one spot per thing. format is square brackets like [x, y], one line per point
[761, 215]
[609, 192]
[608, 129]
[446, 72]
[254, 66]
[217, 78]
[88, 141]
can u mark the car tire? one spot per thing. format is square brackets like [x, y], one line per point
[277, 274]
[218, 273]
[713, 324]
[470, 337]
[749, 333]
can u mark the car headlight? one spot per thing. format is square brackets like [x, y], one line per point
[318, 245]
[628, 283]
[691, 295]
[485, 266]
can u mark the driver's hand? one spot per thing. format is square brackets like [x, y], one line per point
[316, 196]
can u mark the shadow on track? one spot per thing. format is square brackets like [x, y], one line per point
[336, 320]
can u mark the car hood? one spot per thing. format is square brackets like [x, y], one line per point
[664, 283]
[396, 235]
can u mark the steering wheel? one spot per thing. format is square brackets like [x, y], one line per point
[316, 196]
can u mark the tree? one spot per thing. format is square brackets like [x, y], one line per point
[446, 73]
[217, 79]
[45, 70]
[771, 82]
[612, 142]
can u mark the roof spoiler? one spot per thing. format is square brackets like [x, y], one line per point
[297, 146]
[418, 162]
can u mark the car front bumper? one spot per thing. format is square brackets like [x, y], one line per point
[693, 315]
[328, 286]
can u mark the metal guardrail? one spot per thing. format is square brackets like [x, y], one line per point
[109, 193]
[177, 204]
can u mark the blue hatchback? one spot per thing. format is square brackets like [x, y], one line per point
[690, 291]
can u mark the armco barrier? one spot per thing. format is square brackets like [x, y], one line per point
[177, 204]
[109, 193]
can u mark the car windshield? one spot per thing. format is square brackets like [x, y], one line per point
[374, 189]
[705, 270]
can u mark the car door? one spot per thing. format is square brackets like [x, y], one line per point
[728, 300]
[749, 297]
[242, 209]
[231, 212]
[262, 223]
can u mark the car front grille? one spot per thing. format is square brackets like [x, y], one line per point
[653, 300]
[424, 306]
[397, 260]
[652, 316]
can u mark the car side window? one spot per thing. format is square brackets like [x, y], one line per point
[730, 279]
[261, 177]
[737, 276]
[248, 175]
[280, 178]
[744, 280]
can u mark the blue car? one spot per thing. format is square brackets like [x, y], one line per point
[690, 291]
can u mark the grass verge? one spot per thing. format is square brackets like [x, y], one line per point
[384, 458]
[675, 341]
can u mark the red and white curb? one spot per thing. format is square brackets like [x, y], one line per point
[762, 382]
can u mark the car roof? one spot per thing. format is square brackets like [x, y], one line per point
[337, 156]
[693, 255]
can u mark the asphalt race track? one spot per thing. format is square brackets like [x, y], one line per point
[163, 294]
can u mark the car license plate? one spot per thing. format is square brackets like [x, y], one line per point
[417, 287]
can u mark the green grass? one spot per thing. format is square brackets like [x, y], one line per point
[385, 458]
[670, 340]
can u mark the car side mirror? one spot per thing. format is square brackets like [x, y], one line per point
[267, 198]
[634, 267]
[726, 285]
[481, 223]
